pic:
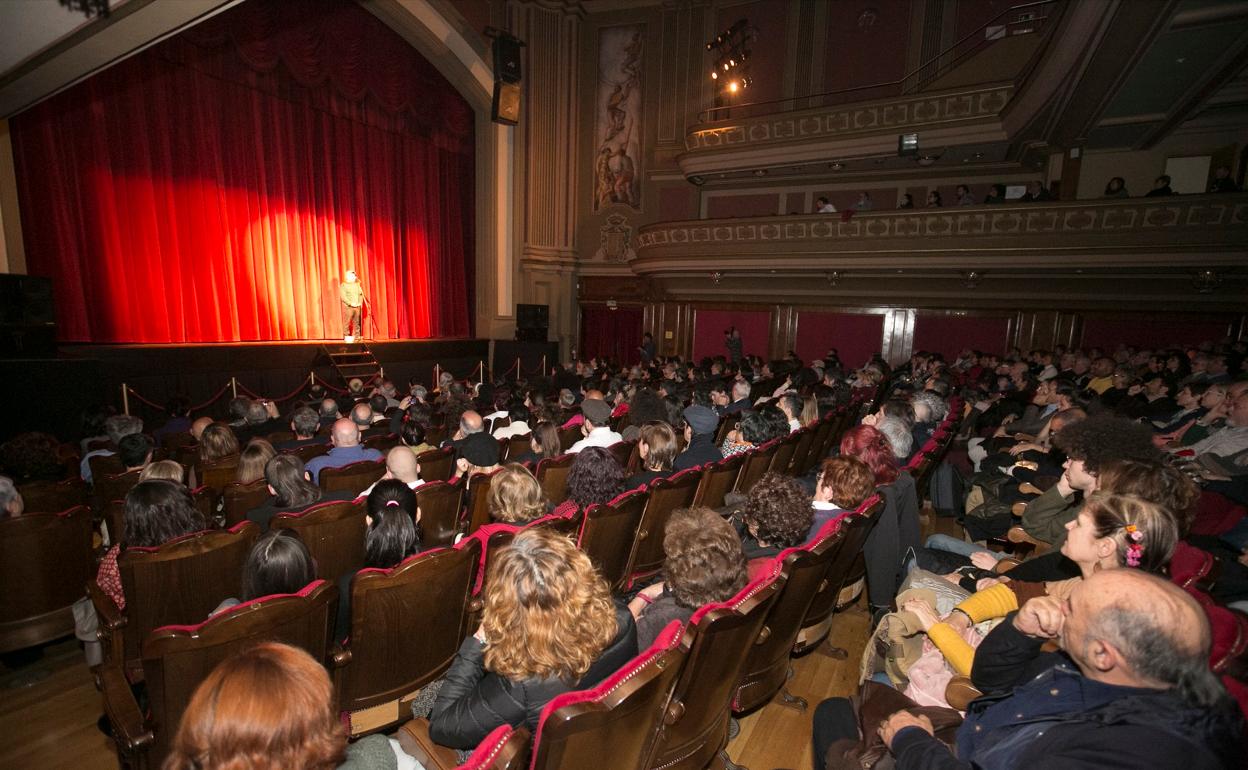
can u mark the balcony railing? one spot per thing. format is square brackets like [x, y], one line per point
[1141, 231]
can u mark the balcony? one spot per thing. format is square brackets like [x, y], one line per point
[1153, 249]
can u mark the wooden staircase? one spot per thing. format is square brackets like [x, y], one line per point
[352, 361]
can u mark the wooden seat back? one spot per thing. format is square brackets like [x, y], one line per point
[805, 439]
[406, 625]
[568, 437]
[517, 445]
[854, 530]
[115, 486]
[766, 667]
[45, 559]
[552, 473]
[623, 712]
[478, 513]
[437, 464]
[623, 452]
[309, 451]
[382, 443]
[666, 495]
[353, 478]
[757, 461]
[241, 498]
[440, 503]
[176, 658]
[218, 473]
[105, 465]
[334, 534]
[783, 456]
[727, 424]
[179, 582]
[718, 638]
[718, 479]
[54, 496]
[608, 532]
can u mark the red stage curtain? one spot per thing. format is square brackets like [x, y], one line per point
[216, 186]
[615, 334]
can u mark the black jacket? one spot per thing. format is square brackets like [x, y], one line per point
[474, 701]
[701, 450]
[1053, 717]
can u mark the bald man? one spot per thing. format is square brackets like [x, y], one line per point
[197, 427]
[400, 465]
[470, 422]
[1131, 689]
[345, 438]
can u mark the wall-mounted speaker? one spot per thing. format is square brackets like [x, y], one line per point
[507, 58]
[532, 316]
[506, 106]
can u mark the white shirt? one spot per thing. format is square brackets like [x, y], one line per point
[1224, 442]
[795, 426]
[826, 208]
[603, 437]
[517, 428]
[410, 485]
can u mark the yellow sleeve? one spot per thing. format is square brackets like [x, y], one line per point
[995, 602]
[957, 652]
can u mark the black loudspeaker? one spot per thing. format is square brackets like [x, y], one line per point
[506, 106]
[532, 321]
[27, 317]
[507, 58]
[532, 316]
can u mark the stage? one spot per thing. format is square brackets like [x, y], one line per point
[48, 394]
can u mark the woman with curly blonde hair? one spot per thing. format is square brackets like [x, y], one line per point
[549, 626]
[270, 708]
[515, 496]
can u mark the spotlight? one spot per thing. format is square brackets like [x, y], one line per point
[747, 81]
[714, 75]
[725, 66]
[732, 62]
[732, 87]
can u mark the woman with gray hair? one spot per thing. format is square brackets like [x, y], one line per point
[10, 499]
[898, 436]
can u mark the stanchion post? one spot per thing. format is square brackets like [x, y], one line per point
[437, 375]
[480, 373]
[125, 399]
[543, 364]
[311, 379]
[233, 387]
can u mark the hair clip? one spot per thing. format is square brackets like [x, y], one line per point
[1135, 552]
[390, 503]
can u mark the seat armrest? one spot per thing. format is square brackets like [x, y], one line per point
[112, 623]
[413, 738]
[132, 731]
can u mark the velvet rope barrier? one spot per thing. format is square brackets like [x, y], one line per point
[216, 397]
[286, 397]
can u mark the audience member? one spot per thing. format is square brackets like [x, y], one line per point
[291, 490]
[1161, 187]
[596, 427]
[1116, 188]
[548, 626]
[252, 459]
[657, 449]
[703, 563]
[700, 426]
[844, 483]
[595, 477]
[515, 496]
[345, 438]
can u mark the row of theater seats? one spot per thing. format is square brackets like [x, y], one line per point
[407, 622]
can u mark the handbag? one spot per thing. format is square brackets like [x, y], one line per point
[875, 703]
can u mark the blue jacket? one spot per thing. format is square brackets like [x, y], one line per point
[338, 457]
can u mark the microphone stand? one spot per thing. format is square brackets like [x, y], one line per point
[368, 308]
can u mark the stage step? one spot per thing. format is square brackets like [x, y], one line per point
[352, 361]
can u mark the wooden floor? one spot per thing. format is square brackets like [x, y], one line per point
[51, 723]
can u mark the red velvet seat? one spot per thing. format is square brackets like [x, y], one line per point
[783, 455]
[719, 637]
[45, 559]
[623, 452]
[569, 436]
[516, 446]
[177, 658]
[406, 625]
[505, 748]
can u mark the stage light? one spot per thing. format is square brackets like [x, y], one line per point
[714, 75]
[732, 62]
[725, 66]
[732, 87]
[747, 81]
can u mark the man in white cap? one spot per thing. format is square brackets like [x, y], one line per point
[352, 296]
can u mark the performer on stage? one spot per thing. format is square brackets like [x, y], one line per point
[352, 296]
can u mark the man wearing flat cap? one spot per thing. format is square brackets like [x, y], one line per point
[700, 426]
[597, 426]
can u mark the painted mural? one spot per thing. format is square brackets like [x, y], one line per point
[617, 129]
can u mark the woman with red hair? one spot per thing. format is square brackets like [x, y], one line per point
[270, 708]
[898, 529]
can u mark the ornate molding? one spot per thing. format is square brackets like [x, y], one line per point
[834, 122]
[615, 240]
[1140, 231]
